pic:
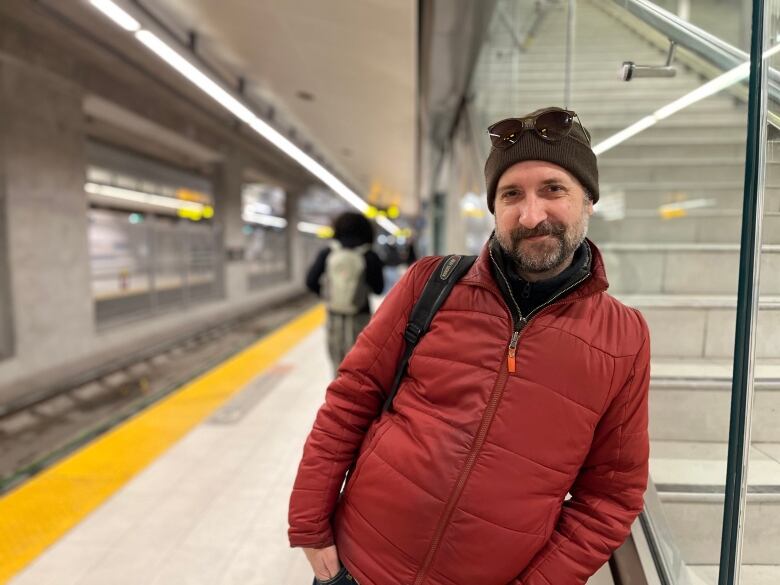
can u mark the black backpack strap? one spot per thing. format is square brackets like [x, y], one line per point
[449, 271]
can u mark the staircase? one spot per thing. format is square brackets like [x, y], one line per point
[680, 269]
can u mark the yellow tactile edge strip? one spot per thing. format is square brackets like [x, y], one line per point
[41, 511]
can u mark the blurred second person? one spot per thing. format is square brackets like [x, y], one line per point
[344, 274]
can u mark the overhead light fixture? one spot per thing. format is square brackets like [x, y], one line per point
[117, 14]
[234, 105]
[624, 134]
[706, 90]
[195, 75]
[321, 231]
[144, 198]
[263, 219]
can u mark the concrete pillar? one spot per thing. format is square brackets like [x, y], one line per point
[296, 249]
[228, 209]
[455, 237]
[42, 170]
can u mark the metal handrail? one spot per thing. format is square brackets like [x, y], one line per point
[698, 41]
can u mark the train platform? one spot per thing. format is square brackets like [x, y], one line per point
[193, 490]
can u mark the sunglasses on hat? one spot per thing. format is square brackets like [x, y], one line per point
[551, 125]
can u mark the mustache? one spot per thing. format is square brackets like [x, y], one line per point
[545, 228]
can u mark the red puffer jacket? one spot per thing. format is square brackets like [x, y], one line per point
[464, 483]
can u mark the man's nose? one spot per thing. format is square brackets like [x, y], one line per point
[532, 212]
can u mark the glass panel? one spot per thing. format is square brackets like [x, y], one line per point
[202, 260]
[761, 548]
[267, 254]
[119, 259]
[266, 233]
[667, 224]
[169, 262]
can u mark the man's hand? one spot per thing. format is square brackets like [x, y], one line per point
[324, 561]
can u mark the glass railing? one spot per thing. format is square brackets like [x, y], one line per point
[672, 159]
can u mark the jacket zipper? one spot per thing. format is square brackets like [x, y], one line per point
[517, 326]
[523, 321]
[487, 417]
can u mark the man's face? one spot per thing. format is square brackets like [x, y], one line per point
[542, 217]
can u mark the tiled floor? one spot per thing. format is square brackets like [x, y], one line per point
[213, 509]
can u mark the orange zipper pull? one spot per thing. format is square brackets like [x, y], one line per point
[512, 351]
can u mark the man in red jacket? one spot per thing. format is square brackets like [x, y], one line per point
[531, 384]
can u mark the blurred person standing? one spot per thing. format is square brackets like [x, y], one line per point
[344, 274]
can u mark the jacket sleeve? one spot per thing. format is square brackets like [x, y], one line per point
[374, 275]
[316, 270]
[352, 401]
[608, 493]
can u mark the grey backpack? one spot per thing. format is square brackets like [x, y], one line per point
[345, 287]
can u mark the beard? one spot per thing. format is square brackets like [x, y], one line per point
[536, 257]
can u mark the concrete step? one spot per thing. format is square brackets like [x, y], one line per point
[680, 269]
[607, 81]
[681, 147]
[619, 93]
[677, 127]
[699, 226]
[598, 108]
[503, 73]
[684, 409]
[632, 196]
[750, 574]
[690, 476]
[703, 327]
[557, 62]
[670, 169]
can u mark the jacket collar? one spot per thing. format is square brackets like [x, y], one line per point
[481, 274]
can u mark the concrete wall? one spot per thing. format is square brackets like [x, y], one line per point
[45, 208]
[46, 306]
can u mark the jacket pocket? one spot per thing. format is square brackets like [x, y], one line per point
[372, 440]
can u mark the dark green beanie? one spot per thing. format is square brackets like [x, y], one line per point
[573, 153]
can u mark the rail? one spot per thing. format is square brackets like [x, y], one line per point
[701, 43]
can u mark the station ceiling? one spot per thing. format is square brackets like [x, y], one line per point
[345, 71]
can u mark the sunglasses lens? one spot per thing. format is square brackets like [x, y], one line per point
[554, 125]
[505, 133]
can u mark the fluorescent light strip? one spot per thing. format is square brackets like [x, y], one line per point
[387, 224]
[307, 162]
[235, 107]
[263, 219]
[708, 89]
[311, 228]
[116, 14]
[624, 134]
[140, 197]
[700, 203]
[195, 75]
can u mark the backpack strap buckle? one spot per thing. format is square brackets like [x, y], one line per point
[412, 333]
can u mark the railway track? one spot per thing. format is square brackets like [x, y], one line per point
[39, 432]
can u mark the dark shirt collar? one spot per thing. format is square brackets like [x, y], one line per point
[530, 295]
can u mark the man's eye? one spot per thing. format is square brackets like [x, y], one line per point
[555, 188]
[506, 194]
